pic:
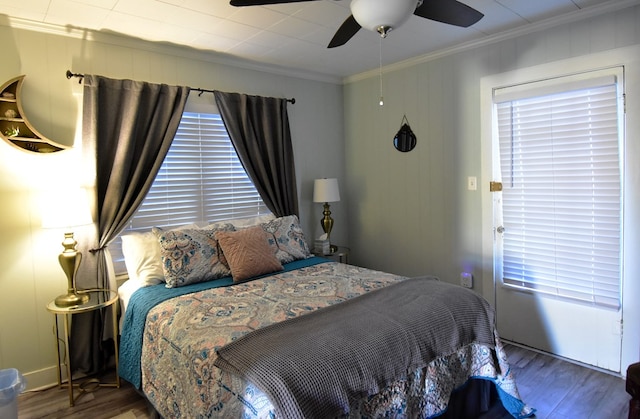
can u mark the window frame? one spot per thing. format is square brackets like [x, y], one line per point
[201, 142]
[611, 297]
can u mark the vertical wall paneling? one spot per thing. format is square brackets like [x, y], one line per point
[448, 228]
[31, 276]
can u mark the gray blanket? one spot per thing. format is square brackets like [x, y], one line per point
[312, 366]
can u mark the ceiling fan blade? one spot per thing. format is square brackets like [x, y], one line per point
[242, 3]
[345, 32]
[448, 11]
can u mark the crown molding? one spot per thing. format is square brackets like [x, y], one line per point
[553, 22]
[226, 59]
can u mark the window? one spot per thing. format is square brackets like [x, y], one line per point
[560, 153]
[201, 181]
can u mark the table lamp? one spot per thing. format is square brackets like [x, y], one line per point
[326, 190]
[64, 212]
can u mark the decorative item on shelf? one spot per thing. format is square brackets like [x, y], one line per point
[67, 211]
[8, 95]
[405, 139]
[326, 190]
[11, 113]
[12, 131]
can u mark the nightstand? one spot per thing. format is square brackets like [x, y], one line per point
[98, 299]
[341, 255]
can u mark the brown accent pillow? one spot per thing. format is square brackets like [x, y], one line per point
[248, 253]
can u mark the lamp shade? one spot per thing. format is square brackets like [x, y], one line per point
[64, 209]
[373, 14]
[326, 190]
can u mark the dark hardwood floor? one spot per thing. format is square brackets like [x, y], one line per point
[556, 388]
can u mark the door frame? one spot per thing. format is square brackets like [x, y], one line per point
[631, 198]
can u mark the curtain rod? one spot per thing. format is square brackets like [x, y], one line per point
[81, 76]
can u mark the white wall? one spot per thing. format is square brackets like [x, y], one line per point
[30, 276]
[411, 213]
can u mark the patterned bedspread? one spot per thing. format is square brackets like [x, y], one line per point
[182, 334]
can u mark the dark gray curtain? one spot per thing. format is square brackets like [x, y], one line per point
[127, 129]
[259, 130]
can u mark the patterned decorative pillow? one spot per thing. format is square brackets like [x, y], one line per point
[248, 253]
[286, 234]
[142, 256]
[191, 255]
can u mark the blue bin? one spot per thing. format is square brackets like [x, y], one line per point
[12, 383]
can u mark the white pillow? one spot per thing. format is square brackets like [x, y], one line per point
[142, 257]
[239, 223]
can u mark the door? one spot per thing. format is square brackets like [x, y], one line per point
[558, 216]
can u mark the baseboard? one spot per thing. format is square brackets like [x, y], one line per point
[572, 361]
[43, 379]
[48, 377]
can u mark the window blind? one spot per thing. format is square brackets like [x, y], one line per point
[560, 162]
[201, 181]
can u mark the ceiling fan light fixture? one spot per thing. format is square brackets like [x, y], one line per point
[382, 15]
[383, 30]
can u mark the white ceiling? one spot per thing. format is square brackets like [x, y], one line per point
[294, 35]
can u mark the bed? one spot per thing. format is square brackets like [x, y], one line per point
[305, 337]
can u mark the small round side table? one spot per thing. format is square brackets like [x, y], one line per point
[98, 299]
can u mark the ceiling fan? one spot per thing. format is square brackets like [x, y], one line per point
[384, 15]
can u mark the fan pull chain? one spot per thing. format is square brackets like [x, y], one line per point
[380, 74]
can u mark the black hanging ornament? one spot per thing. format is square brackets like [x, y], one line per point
[405, 139]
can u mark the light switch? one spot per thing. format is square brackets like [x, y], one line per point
[472, 183]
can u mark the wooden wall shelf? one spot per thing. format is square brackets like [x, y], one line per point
[14, 126]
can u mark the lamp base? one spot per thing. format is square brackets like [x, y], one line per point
[71, 299]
